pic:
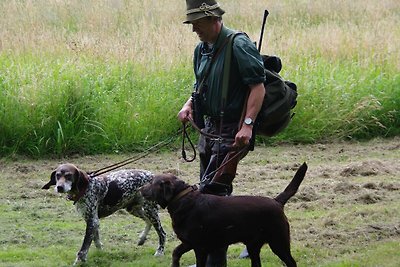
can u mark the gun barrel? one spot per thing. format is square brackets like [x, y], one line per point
[262, 29]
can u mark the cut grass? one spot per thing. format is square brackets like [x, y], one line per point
[345, 213]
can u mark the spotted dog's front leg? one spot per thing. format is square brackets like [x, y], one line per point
[92, 228]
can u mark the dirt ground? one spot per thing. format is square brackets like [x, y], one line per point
[348, 202]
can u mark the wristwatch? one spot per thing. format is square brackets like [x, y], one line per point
[248, 121]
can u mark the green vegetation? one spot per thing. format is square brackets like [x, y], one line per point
[55, 107]
[96, 77]
[345, 213]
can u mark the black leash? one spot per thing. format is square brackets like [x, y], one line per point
[161, 144]
[238, 152]
[218, 138]
[132, 159]
[185, 135]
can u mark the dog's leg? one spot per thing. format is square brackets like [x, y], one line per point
[254, 254]
[96, 238]
[181, 249]
[201, 257]
[137, 210]
[92, 226]
[281, 248]
[151, 213]
[143, 235]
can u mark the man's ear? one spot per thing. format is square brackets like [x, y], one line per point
[51, 182]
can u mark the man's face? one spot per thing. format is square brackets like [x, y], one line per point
[205, 29]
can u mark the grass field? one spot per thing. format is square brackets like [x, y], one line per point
[346, 212]
[111, 75]
[93, 82]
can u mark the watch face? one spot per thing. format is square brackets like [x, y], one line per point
[248, 121]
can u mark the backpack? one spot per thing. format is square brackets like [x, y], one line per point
[280, 98]
[280, 95]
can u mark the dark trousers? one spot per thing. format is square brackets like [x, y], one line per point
[213, 153]
[216, 181]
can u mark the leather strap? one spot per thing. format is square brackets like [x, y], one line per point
[182, 194]
[207, 71]
[227, 68]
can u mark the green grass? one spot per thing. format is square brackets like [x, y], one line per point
[110, 76]
[340, 100]
[53, 106]
[332, 223]
[58, 106]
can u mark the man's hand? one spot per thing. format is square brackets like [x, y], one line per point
[253, 106]
[244, 135]
[186, 112]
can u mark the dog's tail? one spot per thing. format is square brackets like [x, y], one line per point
[291, 189]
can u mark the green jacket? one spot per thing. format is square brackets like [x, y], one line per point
[246, 68]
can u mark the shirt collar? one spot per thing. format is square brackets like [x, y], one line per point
[221, 37]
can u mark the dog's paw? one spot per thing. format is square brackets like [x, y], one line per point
[141, 241]
[159, 252]
[99, 245]
[80, 257]
[78, 261]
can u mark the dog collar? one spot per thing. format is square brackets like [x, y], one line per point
[182, 194]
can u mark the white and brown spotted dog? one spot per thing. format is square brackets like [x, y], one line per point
[100, 196]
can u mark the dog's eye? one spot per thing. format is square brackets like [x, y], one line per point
[67, 176]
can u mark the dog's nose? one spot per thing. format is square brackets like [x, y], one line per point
[60, 189]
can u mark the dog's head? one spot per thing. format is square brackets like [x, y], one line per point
[163, 189]
[66, 178]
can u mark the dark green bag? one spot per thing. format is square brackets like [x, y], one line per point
[280, 99]
[280, 95]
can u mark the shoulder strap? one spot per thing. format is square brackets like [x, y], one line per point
[227, 68]
[207, 71]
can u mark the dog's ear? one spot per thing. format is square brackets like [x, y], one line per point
[82, 180]
[167, 191]
[51, 182]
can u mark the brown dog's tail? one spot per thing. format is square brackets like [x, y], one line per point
[291, 189]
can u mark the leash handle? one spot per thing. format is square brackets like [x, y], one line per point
[185, 135]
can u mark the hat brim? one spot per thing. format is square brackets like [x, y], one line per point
[198, 15]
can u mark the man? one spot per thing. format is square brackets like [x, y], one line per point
[232, 118]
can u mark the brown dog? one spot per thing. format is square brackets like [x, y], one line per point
[205, 222]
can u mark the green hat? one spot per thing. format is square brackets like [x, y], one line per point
[197, 9]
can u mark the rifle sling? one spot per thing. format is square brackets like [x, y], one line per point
[207, 72]
[227, 68]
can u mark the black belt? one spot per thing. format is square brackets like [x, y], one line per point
[217, 120]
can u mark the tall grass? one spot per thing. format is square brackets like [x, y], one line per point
[86, 106]
[101, 76]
